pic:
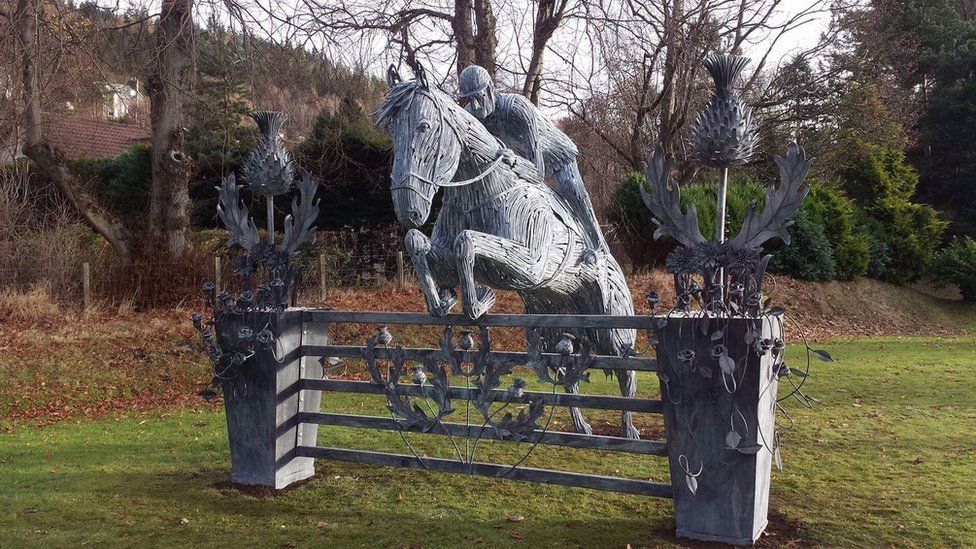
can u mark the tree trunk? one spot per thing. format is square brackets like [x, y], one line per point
[673, 45]
[463, 34]
[547, 19]
[169, 201]
[484, 39]
[47, 159]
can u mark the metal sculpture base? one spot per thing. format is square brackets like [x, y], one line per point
[731, 496]
[262, 401]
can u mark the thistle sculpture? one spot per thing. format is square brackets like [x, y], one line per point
[267, 278]
[719, 365]
[724, 134]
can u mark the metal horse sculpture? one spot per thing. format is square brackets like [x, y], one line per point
[500, 225]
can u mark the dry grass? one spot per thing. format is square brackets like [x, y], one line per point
[30, 307]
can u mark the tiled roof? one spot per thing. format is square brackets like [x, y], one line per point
[80, 137]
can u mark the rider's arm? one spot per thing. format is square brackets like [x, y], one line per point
[523, 114]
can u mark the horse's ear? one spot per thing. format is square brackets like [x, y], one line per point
[392, 76]
[420, 75]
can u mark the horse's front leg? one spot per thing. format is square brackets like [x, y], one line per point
[522, 265]
[436, 279]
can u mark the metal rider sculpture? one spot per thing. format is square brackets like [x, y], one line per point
[500, 225]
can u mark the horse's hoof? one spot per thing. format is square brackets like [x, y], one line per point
[448, 300]
[583, 428]
[486, 297]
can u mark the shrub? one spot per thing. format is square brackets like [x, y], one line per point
[351, 159]
[809, 256]
[956, 264]
[830, 208]
[122, 183]
[882, 185]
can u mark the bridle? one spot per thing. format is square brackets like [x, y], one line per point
[401, 183]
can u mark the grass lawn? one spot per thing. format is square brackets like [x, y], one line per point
[888, 458]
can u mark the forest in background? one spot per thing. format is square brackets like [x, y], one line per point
[886, 101]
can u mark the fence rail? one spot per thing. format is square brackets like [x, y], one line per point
[552, 438]
[529, 474]
[306, 348]
[596, 402]
[603, 362]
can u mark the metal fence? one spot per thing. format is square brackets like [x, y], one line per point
[457, 371]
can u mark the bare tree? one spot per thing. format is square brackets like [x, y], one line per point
[639, 84]
[549, 14]
[48, 160]
[169, 201]
[461, 32]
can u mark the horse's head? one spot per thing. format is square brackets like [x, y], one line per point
[426, 149]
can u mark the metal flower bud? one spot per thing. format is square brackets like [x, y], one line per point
[466, 342]
[269, 170]
[565, 344]
[725, 133]
[383, 335]
[652, 300]
[419, 375]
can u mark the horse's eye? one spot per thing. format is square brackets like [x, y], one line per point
[423, 126]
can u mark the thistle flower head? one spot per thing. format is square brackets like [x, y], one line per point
[269, 170]
[725, 133]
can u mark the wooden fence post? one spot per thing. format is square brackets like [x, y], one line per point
[401, 275]
[217, 274]
[86, 284]
[322, 277]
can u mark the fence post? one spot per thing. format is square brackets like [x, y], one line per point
[86, 284]
[217, 274]
[322, 277]
[401, 278]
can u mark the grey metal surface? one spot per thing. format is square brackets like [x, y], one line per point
[500, 226]
[262, 406]
[580, 480]
[729, 502]
[553, 438]
[597, 402]
[599, 361]
[535, 320]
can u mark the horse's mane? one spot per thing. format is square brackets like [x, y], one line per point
[402, 94]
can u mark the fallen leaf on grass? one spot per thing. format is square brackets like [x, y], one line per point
[184, 521]
[515, 534]
[474, 539]
[516, 518]
[322, 524]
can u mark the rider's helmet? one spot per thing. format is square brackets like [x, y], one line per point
[477, 91]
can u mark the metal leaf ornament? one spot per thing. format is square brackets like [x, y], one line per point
[233, 214]
[725, 133]
[664, 202]
[304, 211]
[269, 169]
[782, 202]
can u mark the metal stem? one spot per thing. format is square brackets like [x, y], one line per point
[270, 200]
[723, 187]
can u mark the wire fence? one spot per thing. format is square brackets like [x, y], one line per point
[152, 284]
[73, 281]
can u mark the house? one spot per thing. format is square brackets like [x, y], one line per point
[101, 129]
[79, 137]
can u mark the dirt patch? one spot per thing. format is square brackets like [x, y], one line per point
[781, 532]
[261, 492]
